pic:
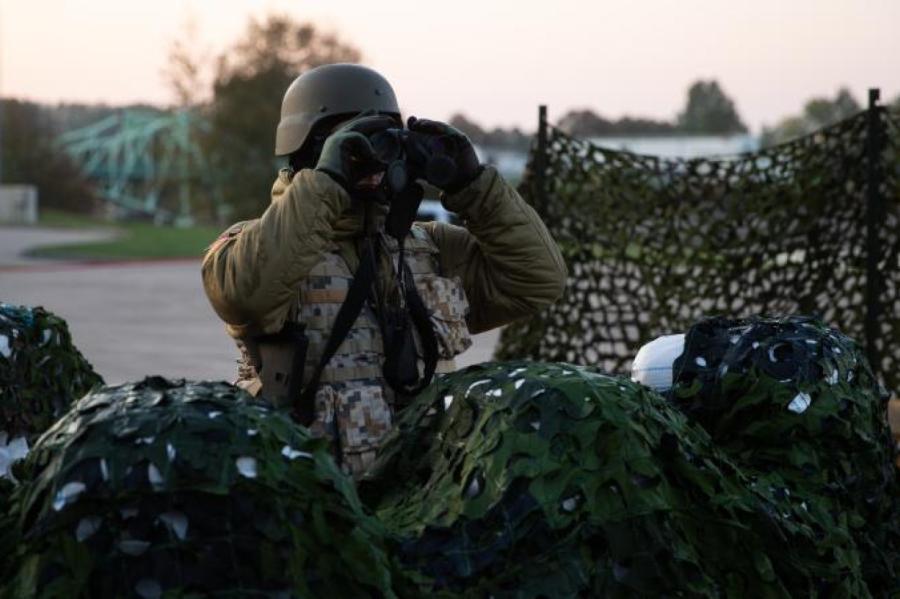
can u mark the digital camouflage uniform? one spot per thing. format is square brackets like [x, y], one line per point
[296, 262]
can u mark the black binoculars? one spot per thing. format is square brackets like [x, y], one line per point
[410, 155]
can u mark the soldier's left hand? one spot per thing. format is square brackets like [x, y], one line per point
[456, 145]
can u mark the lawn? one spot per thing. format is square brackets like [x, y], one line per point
[137, 240]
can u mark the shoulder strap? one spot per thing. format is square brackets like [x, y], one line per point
[422, 321]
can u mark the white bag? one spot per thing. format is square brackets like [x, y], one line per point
[652, 365]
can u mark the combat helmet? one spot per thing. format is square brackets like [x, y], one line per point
[326, 92]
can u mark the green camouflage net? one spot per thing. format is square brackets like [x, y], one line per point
[765, 474]
[795, 402]
[181, 489]
[547, 480]
[654, 244]
[41, 371]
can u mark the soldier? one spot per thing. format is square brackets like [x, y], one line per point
[340, 313]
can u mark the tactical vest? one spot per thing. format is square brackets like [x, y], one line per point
[354, 407]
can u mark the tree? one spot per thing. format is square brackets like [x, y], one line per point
[250, 80]
[821, 112]
[31, 157]
[186, 67]
[511, 139]
[472, 129]
[585, 123]
[187, 73]
[496, 138]
[817, 113]
[709, 111]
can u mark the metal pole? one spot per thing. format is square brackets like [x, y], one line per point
[874, 221]
[540, 162]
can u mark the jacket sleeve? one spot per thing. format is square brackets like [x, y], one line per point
[251, 273]
[509, 264]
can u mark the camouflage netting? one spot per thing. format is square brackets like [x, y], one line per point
[547, 480]
[766, 473]
[180, 489]
[654, 244]
[796, 402]
[41, 371]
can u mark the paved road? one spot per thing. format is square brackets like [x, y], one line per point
[131, 320]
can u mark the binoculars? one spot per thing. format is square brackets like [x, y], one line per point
[410, 155]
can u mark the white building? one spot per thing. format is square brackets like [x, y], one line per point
[511, 163]
[18, 204]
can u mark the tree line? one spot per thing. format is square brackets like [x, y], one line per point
[818, 112]
[29, 155]
[707, 111]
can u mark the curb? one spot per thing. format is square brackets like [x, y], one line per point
[91, 264]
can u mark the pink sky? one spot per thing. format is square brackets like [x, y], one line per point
[492, 59]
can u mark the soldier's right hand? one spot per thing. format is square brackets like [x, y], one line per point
[347, 155]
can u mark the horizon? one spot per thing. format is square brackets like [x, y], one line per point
[768, 58]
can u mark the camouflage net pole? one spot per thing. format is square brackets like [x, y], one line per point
[654, 244]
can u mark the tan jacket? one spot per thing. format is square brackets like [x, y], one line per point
[509, 265]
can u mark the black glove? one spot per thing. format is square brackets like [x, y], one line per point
[456, 146]
[347, 155]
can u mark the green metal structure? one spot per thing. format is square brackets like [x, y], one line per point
[148, 163]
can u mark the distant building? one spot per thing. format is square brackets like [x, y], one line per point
[18, 204]
[511, 163]
[694, 146]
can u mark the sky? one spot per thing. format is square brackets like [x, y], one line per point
[494, 60]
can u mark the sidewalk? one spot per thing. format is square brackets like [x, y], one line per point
[16, 240]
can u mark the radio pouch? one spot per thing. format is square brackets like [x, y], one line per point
[282, 358]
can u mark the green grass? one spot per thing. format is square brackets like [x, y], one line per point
[70, 220]
[136, 241]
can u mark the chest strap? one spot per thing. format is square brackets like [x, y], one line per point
[304, 408]
[400, 367]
